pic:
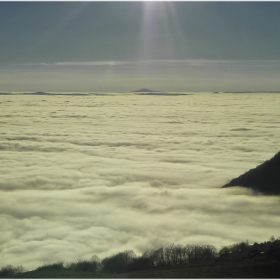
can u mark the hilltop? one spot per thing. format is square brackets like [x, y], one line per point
[265, 178]
[146, 91]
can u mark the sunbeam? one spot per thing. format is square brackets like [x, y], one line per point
[65, 20]
[161, 32]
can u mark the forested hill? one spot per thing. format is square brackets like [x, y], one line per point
[239, 260]
[265, 178]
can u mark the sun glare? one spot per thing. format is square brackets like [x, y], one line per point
[161, 30]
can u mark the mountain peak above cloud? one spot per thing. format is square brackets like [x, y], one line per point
[145, 90]
[265, 178]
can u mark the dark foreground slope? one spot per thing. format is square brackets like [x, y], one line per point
[265, 178]
[61, 273]
[226, 269]
[235, 261]
[212, 271]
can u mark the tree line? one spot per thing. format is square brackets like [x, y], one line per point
[128, 261]
[171, 255]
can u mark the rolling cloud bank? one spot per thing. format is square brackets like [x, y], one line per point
[85, 175]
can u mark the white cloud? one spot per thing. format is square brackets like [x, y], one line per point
[98, 175]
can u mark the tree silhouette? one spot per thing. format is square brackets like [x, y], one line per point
[118, 263]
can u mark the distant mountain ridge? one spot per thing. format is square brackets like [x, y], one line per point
[265, 178]
[146, 91]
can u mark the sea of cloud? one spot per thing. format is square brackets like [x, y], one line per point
[85, 175]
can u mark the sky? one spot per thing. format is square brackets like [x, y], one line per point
[124, 46]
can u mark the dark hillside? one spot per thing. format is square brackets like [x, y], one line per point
[265, 178]
[239, 260]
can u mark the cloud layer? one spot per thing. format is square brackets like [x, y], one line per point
[84, 175]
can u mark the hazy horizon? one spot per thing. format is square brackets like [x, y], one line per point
[131, 92]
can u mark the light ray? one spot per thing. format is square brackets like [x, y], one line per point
[61, 24]
[162, 35]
